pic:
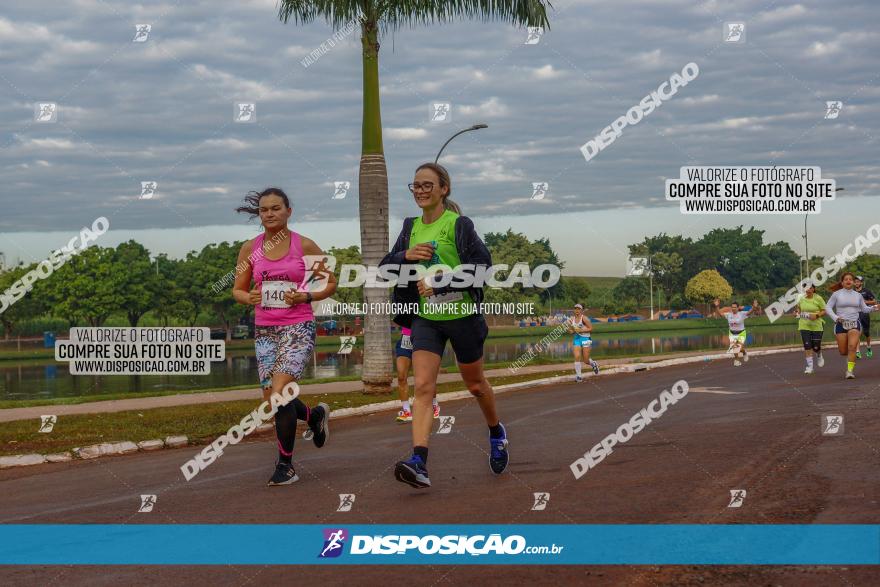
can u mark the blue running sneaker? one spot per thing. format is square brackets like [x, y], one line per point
[595, 366]
[412, 472]
[498, 456]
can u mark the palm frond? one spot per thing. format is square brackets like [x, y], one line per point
[337, 13]
[398, 13]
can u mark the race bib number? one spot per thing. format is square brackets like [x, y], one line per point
[452, 296]
[850, 324]
[406, 342]
[805, 315]
[272, 293]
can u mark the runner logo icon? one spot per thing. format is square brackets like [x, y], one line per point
[46, 112]
[141, 33]
[832, 424]
[535, 34]
[346, 343]
[737, 496]
[341, 189]
[541, 500]
[832, 109]
[245, 112]
[346, 500]
[446, 423]
[735, 32]
[334, 542]
[47, 423]
[539, 189]
[147, 503]
[441, 112]
[148, 189]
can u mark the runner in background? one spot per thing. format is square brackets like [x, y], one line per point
[865, 318]
[736, 323]
[843, 308]
[810, 309]
[403, 354]
[582, 342]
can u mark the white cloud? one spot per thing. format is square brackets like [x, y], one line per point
[490, 108]
[782, 13]
[820, 49]
[546, 72]
[49, 144]
[405, 133]
[706, 99]
[210, 190]
[648, 58]
[228, 143]
[23, 32]
[242, 88]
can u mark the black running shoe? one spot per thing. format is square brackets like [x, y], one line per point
[319, 425]
[412, 472]
[284, 475]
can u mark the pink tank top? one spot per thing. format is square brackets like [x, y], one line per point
[273, 277]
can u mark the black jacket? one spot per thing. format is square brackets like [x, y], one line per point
[471, 250]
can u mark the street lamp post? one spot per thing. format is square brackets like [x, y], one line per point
[807, 242]
[474, 127]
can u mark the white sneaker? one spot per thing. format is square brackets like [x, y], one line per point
[746, 357]
[736, 363]
[808, 371]
[850, 375]
[820, 361]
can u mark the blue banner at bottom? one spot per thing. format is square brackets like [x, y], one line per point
[254, 544]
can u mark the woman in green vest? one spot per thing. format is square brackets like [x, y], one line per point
[810, 309]
[442, 238]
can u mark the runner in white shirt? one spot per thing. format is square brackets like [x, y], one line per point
[736, 323]
[843, 307]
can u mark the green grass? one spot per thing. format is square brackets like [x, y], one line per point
[201, 423]
[82, 399]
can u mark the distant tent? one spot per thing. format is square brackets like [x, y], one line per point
[325, 307]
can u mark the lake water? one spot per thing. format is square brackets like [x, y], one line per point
[50, 379]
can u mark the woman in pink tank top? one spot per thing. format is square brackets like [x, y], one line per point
[288, 276]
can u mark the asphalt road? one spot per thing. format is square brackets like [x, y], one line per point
[756, 427]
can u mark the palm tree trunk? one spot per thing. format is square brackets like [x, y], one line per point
[373, 201]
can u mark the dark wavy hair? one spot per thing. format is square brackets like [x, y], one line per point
[839, 284]
[252, 201]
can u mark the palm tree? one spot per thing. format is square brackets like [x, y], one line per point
[375, 17]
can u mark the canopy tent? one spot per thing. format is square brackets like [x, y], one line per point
[325, 307]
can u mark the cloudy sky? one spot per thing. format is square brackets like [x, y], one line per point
[163, 110]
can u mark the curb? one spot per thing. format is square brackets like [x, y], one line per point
[128, 447]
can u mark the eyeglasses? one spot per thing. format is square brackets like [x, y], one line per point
[427, 186]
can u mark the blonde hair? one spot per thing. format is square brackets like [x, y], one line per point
[445, 180]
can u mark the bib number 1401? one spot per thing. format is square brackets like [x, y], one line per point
[272, 293]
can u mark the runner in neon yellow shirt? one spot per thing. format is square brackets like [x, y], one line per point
[810, 309]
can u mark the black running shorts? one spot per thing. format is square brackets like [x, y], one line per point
[812, 339]
[467, 336]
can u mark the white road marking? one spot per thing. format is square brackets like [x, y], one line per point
[718, 390]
